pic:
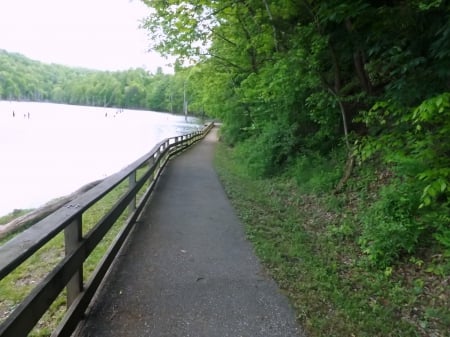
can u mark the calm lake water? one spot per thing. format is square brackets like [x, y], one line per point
[50, 150]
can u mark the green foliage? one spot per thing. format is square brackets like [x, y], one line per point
[25, 79]
[419, 136]
[232, 133]
[432, 145]
[390, 227]
[439, 220]
[268, 152]
[316, 173]
[309, 247]
[293, 81]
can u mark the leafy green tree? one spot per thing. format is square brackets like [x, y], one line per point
[293, 78]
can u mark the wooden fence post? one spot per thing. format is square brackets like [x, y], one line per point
[72, 238]
[131, 184]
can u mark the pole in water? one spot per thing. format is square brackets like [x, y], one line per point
[185, 103]
[185, 109]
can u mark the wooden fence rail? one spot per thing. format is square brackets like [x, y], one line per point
[68, 273]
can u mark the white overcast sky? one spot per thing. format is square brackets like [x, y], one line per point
[95, 34]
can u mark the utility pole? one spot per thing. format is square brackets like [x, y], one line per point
[185, 103]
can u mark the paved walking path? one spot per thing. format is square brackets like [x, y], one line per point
[188, 270]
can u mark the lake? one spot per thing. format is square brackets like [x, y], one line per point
[50, 150]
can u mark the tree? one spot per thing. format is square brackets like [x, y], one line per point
[295, 77]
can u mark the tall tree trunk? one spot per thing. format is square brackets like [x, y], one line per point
[269, 13]
[350, 163]
[336, 93]
[337, 69]
[359, 61]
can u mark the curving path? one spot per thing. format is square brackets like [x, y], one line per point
[188, 269]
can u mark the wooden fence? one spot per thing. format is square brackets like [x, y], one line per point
[68, 273]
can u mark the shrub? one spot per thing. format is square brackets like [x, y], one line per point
[318, 173]
[269, 150]
[391, 226]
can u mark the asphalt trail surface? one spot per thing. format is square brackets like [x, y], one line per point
[188, 270]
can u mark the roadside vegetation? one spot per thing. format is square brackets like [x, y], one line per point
[310, 241]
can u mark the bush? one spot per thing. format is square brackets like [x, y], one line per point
[437, 217]
[269, 150]
[391, 226]
[232, 134]
[317, 173]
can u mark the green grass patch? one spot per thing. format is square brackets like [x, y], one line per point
[13, 215]
[307, 239]
[17, 213]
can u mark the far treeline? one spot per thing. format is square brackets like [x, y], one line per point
[24, 79]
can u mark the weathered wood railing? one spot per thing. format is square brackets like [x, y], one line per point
[69, 271]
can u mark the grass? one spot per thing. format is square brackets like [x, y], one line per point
[308, 242]
[16, 286]
[13, 215]
[10, 217]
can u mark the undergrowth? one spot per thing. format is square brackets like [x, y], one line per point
[310, 240]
